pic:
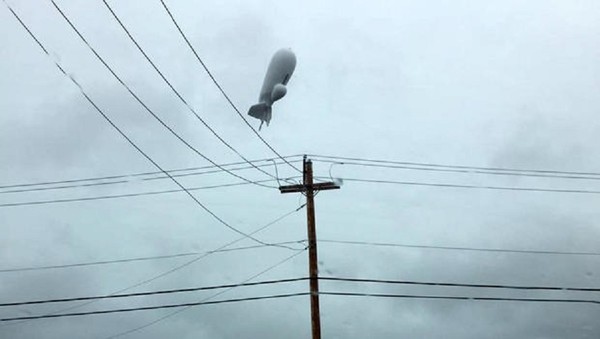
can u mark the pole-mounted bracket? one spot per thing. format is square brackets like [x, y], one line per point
[321, 186]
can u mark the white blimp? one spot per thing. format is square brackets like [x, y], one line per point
[280, 70]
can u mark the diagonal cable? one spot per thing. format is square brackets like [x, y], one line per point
[137, 98]
[130, 141]
[181, 266]
[221, 88]
[189, 107]
[146, 325]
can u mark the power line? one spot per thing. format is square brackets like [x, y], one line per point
[456, 248]
[194, 260]
[496, 188]
[137, 98]
[446, 284]
[38, 189]
[190, 108]
[178, 255]
[125, 178]
[133, 175]
[138, 259]
[140, 294]
[411, 183]
[133, 144]
[125, 195]
[139, 174]
[147, 308]
[568, 174]
[278, 296]
[278, 281]
[220, 88]
[435, 169]
[151, 323]
[446, 297]
[346, 242]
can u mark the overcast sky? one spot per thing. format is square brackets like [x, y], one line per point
[483, 83]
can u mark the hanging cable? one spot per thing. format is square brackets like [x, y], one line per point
[457, 248]
[147, 308]
[220, 88]
[192, 261]
[130, 141]
[138, 100]
[119, 179]
[466, 298]
[137, 259]
[420, 166]
[189, 107]
[153, 322]
[495, 188]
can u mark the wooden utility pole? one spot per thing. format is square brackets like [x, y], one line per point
[308, 188]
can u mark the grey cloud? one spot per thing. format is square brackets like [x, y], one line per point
[508, 84]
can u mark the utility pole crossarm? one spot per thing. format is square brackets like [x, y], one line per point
[321, 186]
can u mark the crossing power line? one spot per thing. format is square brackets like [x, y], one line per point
[179, 96]
[125, 178]
[124, 195]
[361, 180]
[452, 170]
[462, 186]
[212, 77]
[450, 284]
[123, 134]
[343, 242]
[137, 98]
[456, 168]
[178, 311]
[289, 280]
[160, 292]
[147, 308]
[157, 174]
[458, 248]
[139, 259]
[327, 293]
[466, 298]
[195, 171]
[193, 261]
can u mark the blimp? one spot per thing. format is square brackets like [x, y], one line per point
[280, 70]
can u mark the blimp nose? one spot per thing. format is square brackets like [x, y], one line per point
[285, 54]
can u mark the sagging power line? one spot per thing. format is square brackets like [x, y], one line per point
[128, 178]
[179, 96]
[124, 195]
[161, 292]
[139, 100]
[147, 308]
[181, 310]
[193, 261]
[139, 259]
[289, 280]
[465, 298]
[342, 242]
[458, 248]
[468, 285]
[212, 77]
[483, 187]
[122, 133]
[326, 293]
[457, 168]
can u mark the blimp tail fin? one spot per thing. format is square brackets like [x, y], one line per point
[262, 112]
